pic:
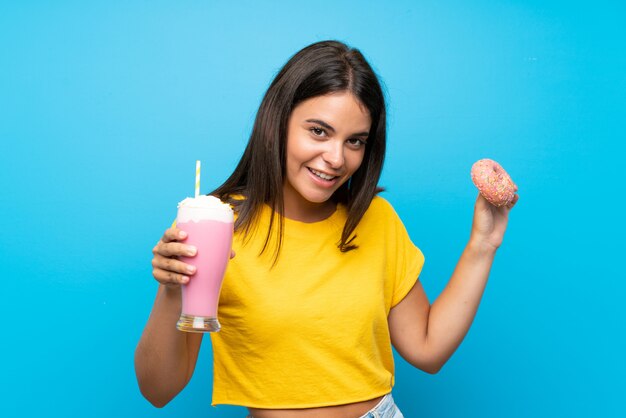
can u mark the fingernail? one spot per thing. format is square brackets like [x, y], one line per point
[191, 269]
[184, 279]
[182, 234]
[191, 250]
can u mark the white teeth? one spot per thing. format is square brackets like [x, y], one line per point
[322, 175]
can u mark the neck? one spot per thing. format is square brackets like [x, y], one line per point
[307, 211]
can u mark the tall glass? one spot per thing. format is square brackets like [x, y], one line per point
[209, 226]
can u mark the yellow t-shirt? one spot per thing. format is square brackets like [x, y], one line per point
[312, 331]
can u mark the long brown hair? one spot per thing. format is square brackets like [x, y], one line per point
[321, 68]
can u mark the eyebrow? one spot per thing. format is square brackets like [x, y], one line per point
[330, 128]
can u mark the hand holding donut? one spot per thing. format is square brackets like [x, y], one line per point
[493, 182]
[496, 198]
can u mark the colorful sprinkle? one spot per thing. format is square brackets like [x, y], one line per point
[493, 182]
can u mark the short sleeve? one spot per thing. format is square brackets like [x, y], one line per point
[409, 260]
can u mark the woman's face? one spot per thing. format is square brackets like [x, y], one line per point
[326, 138]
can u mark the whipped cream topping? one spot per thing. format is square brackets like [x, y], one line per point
[204, 208]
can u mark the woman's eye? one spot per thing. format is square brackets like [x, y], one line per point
[356, 142]
[317, 131]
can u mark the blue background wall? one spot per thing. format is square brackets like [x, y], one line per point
[105, 106]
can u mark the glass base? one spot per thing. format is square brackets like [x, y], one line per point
[191, 323]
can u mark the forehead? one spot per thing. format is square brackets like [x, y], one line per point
[342, 108]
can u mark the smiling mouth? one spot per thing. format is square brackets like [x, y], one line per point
[322, 176]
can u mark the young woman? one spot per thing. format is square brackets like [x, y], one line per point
[325, 277]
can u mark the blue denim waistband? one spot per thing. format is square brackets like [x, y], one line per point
[386, 408]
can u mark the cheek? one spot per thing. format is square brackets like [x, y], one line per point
[301, 150]
[355, 160]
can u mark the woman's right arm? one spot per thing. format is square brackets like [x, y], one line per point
[165, 358]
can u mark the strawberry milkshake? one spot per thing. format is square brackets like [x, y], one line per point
[209, 226]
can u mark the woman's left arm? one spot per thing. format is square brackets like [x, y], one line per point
[427, 335]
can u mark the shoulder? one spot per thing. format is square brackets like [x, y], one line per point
[233, 198]
[381, 207]
[380, 214]
[237, 197]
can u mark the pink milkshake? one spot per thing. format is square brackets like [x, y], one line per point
[209, 226]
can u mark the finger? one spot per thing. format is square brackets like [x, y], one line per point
[173, 265]
[176, 249]
[232, 254]
[168, 277]
[173, 234]
[481, 202]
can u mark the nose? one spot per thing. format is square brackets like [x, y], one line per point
[334, 155]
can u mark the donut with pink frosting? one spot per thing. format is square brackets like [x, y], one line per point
[493, 182]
